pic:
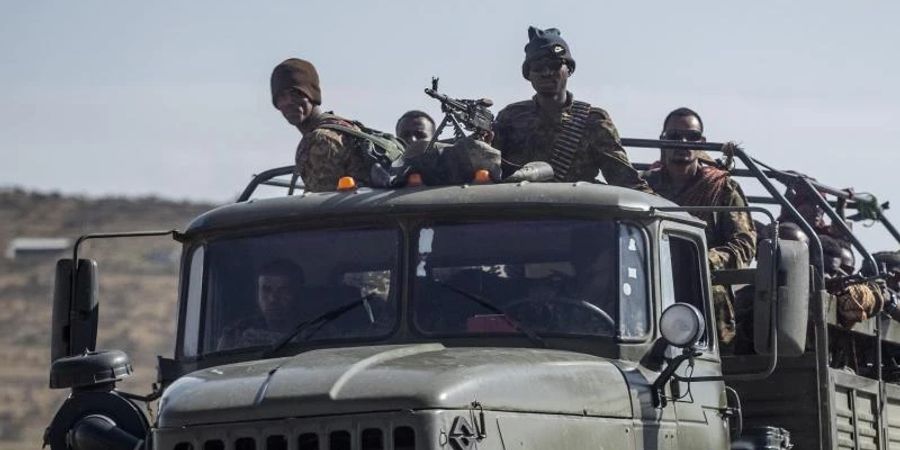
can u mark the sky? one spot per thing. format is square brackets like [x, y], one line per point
[172, 99]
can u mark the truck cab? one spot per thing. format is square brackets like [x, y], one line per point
[479, 314]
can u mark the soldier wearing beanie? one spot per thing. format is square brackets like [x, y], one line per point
[533, 130]
[324, 155]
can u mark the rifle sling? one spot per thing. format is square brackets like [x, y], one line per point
[565, 146]
[378, 143]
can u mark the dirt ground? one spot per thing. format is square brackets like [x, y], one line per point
[138, 288]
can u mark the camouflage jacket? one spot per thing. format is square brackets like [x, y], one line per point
[324, 156]
[524, 133]
[731, 237]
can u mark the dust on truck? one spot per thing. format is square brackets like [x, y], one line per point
[498, 316]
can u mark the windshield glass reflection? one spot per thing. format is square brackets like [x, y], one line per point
[537, 277]
[260, 289]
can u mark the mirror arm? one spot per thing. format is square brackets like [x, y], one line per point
[658, 386]
[773, 356]
[750, 376]
[152, 396]
[175, 234]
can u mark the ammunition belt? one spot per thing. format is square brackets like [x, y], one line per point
[566, 145]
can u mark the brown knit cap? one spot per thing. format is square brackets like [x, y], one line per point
[297, 74]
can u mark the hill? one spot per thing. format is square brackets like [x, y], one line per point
[138, 283]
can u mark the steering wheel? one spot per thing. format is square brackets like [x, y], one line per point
[568, 302]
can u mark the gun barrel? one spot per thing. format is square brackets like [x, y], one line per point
[447, 101]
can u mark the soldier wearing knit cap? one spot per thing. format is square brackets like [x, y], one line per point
[529, 130]
[324, 155]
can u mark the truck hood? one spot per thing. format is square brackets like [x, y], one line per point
[398, 377]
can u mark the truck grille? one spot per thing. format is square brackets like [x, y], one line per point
[400, 438]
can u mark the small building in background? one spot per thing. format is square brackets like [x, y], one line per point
[37, 249]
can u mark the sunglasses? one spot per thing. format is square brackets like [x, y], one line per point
[682, 135]
[550, 64]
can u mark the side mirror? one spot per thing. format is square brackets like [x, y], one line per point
[73, 329]
[682, 325]
[782, 297]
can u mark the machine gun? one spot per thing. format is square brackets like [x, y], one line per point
[471, 115]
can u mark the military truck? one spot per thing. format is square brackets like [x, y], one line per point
[490, 316]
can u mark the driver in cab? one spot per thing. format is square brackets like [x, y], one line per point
[278, 287]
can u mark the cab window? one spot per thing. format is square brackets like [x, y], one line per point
[305, 285]
[681, 274]
[552, 277]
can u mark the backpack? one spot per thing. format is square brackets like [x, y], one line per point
[383, 148]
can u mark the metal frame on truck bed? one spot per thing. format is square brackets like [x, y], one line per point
[822, 407]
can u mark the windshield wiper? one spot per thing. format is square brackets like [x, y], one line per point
[321, 320]
[532, 336]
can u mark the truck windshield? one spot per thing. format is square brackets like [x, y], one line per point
[259, 289]
[574, 277]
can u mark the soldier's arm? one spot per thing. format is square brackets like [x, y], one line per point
[322, 159]
[740, 234]
[613, 160]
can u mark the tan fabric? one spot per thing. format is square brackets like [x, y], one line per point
[857, 303]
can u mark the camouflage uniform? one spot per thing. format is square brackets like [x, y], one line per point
[525, 133]
[731, 237]
[324, 155]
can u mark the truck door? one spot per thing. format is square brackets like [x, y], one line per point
[684, 277]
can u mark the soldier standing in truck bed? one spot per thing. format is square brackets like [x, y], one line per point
[332, 147]
[681, 178]
[578, 140]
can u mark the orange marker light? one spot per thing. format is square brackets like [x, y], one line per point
[414, 179]
[346, 184]
[482, 177]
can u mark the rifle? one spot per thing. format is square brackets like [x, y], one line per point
[472, 115]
